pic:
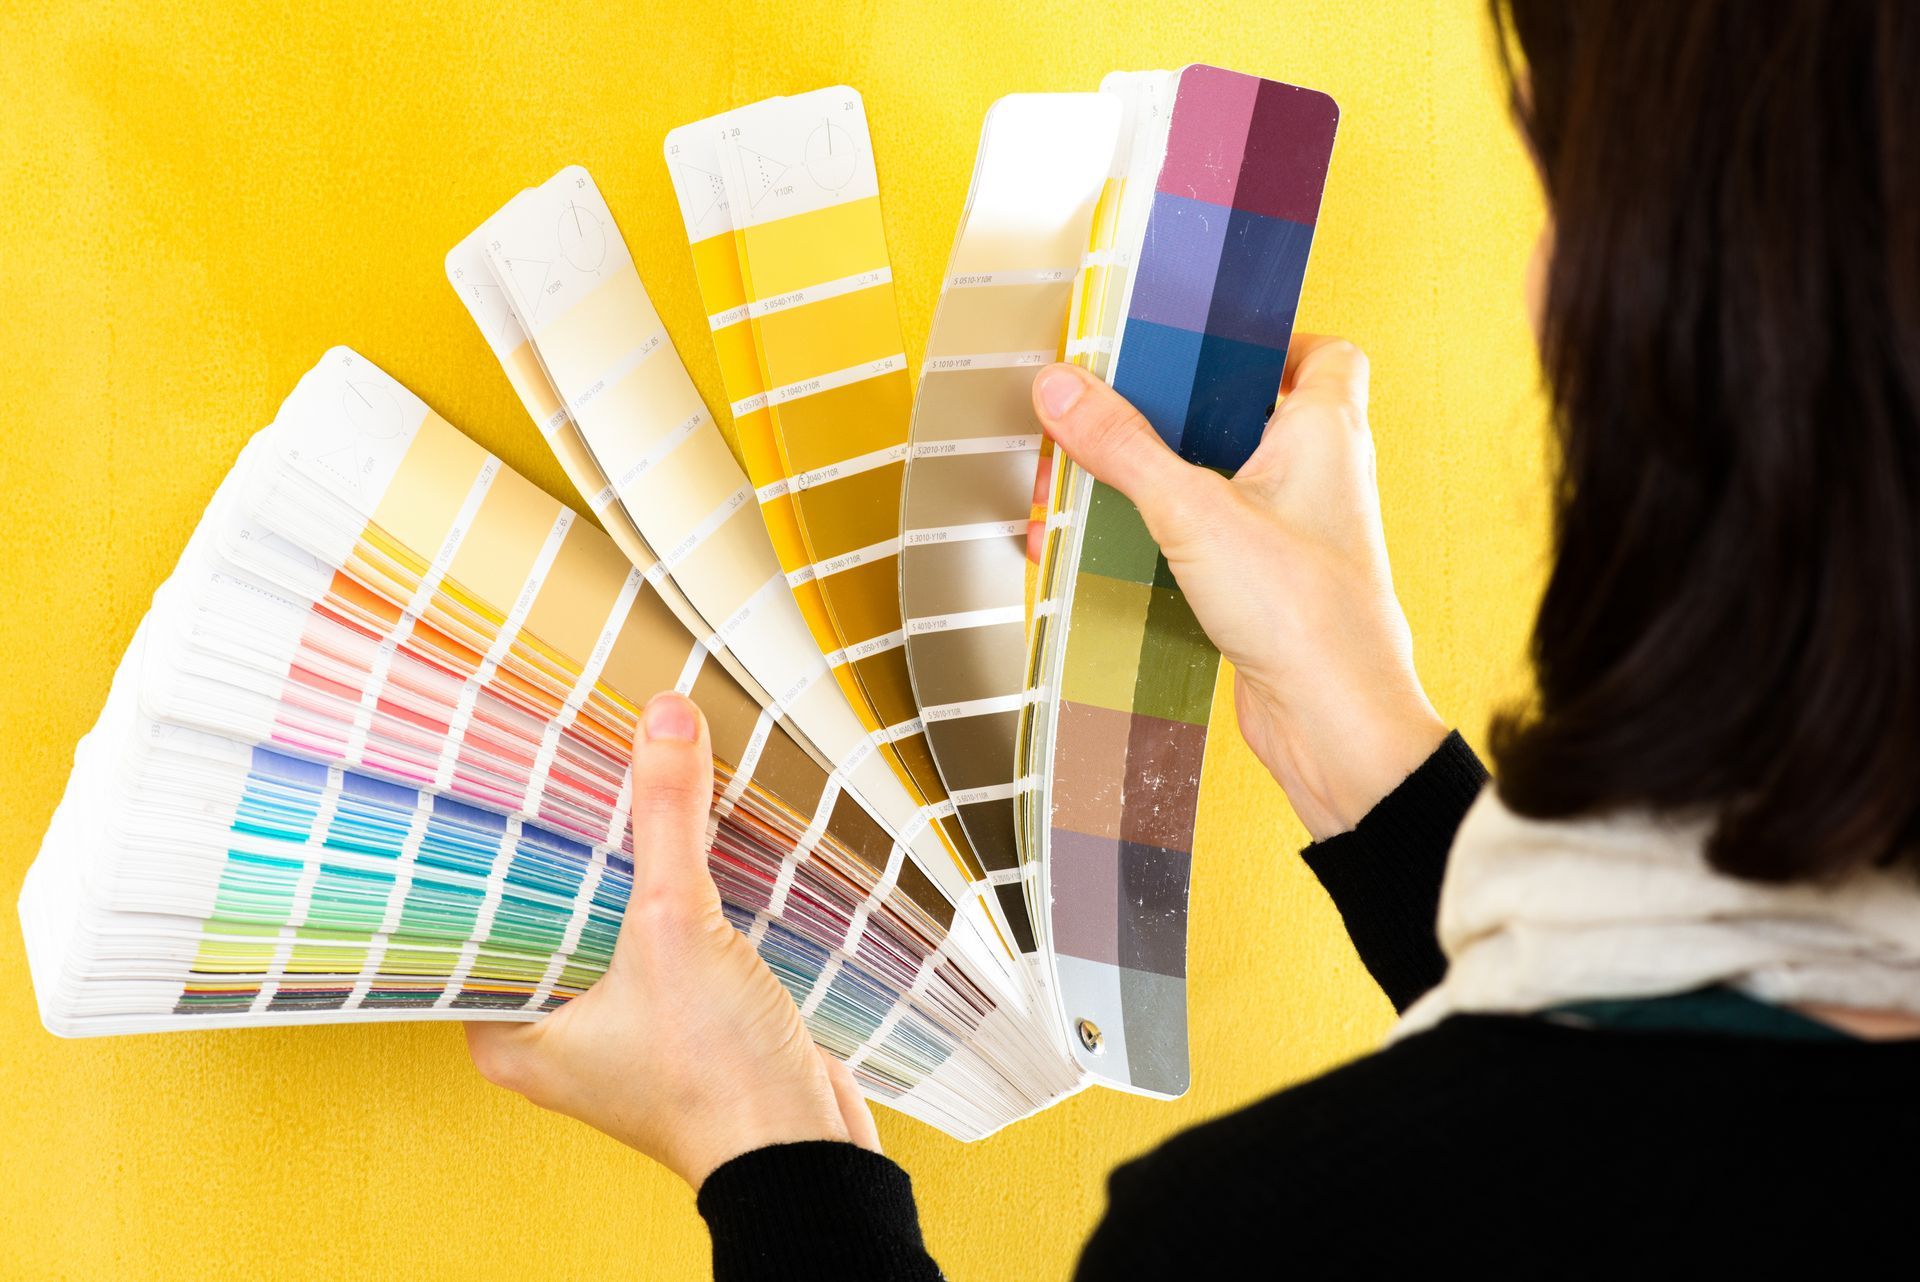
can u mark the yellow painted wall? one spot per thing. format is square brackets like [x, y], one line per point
[196, 200]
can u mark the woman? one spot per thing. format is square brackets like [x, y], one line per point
[1673, 999]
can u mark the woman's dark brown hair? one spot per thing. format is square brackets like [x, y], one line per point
[1732, 342]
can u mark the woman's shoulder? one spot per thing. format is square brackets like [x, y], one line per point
[1311, 1166]
[1508, 1117]
[1427, 1092]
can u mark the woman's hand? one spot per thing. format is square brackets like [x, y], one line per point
[1285, 566]
[688, 1049]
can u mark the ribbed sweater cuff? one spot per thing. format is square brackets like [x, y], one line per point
[819, 1208]
[1385, 875]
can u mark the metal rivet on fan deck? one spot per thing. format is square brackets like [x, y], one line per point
[1090, 1035]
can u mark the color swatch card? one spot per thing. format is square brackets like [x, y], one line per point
[781, 204]
[366, 758]
[554, 289]
[1210, 234]
[1042, 165]
[694, 159]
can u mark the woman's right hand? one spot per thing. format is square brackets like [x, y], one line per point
[1285, 567]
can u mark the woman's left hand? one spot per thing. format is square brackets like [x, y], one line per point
[688, 1048]
[1285, 566]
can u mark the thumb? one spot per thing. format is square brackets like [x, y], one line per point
[853, 1106]
[672, 794]
[1108, 437]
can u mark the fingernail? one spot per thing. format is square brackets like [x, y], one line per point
[670, 716]
[1059, 390]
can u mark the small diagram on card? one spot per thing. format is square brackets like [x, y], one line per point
[831, 158]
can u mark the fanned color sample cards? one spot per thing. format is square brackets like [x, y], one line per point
[368, 755]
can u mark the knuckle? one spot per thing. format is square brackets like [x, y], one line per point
[1353, 419]
[502, 1063]
[669, 799]
[678, 911]
[1337, 408]
[1350, 354]
[669, 791]
[663, 914]
[1358, 379]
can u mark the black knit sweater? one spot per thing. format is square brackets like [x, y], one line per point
[1531, 1147]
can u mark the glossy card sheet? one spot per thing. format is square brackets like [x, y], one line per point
[366, 759]
[781, 205]
[552, 285]
[693, 160]
[1225, 222]
[1042, 164]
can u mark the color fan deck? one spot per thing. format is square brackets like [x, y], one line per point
[366, 757]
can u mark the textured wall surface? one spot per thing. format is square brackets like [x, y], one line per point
[195, 204]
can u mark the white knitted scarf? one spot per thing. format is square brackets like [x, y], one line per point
[1536, 914]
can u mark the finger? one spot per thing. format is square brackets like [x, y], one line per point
[1326, 366]
[1325, 385]
[854, 1110]
[672, 795]
[1037, 514]
[1101, 432]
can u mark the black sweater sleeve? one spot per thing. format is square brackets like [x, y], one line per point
[818, 1209]
[832, 1210]
[1384, 876]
